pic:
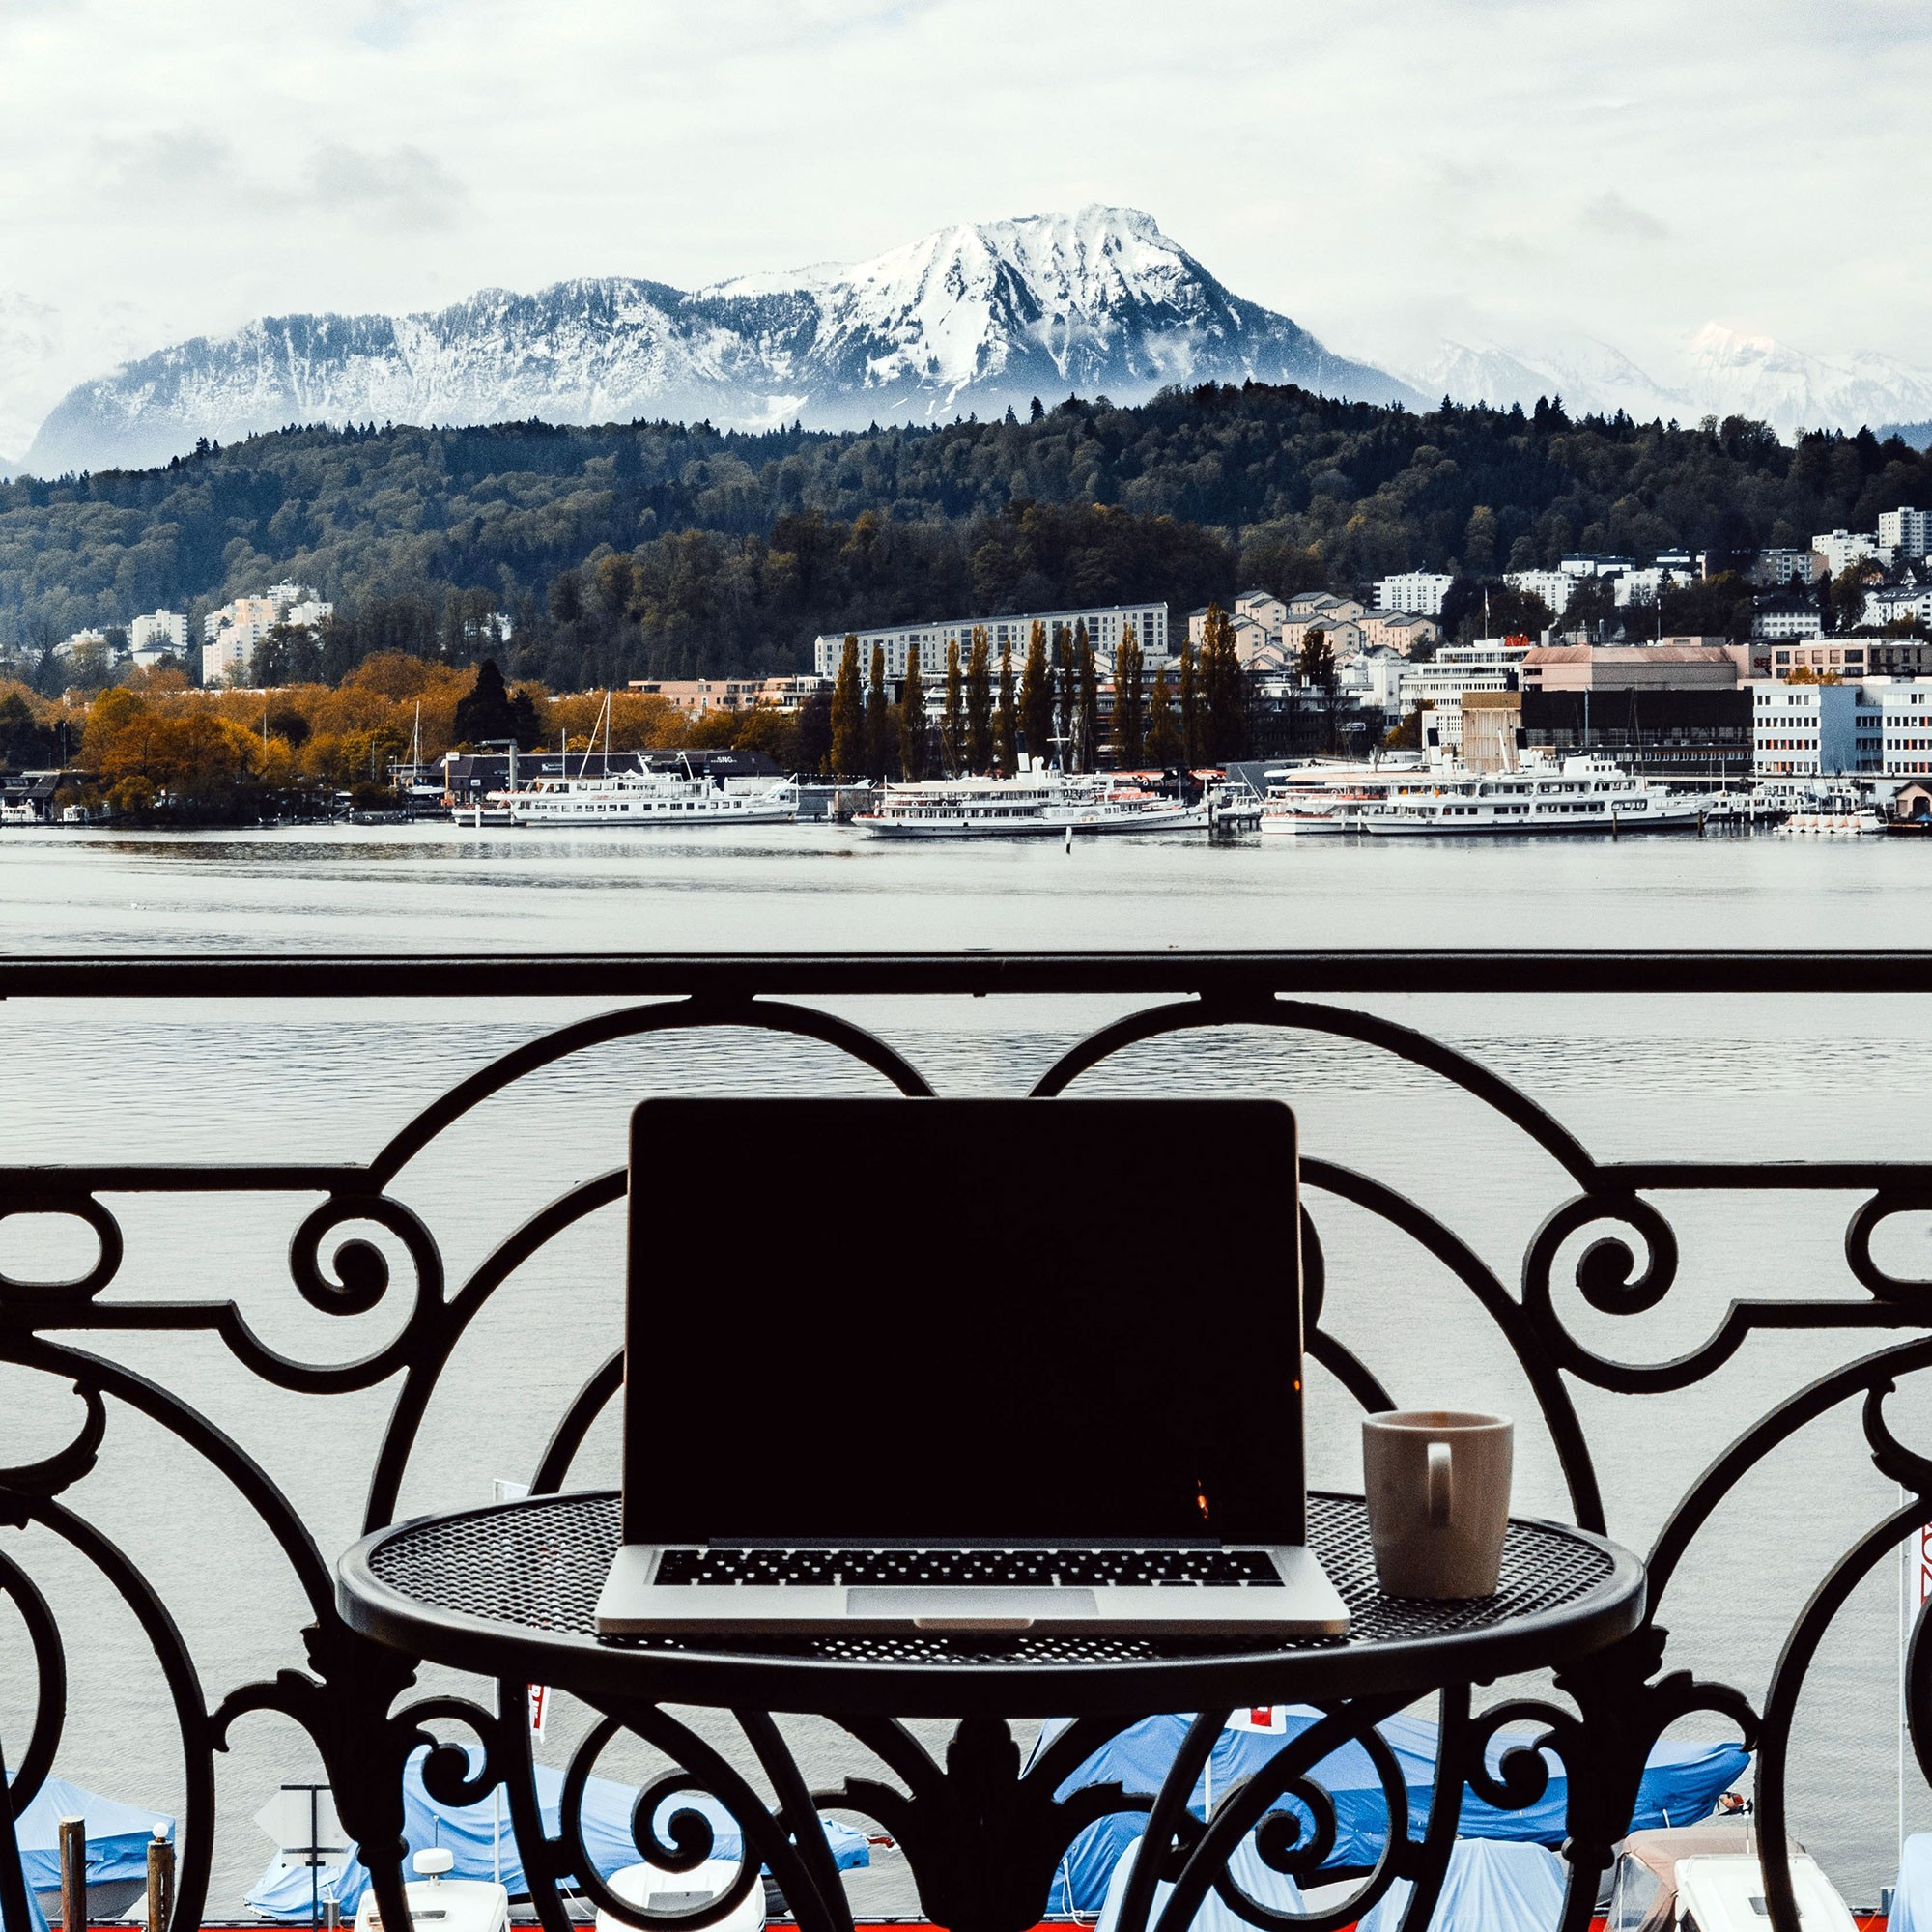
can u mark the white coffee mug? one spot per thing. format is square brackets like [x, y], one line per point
[1438, 1484]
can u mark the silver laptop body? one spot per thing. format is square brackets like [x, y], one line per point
[988, 1367]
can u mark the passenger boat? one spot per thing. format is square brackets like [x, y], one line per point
[1583, 793]
[646, 798]
[1037, 804]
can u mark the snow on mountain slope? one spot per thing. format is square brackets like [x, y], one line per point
[1720, 373]
[975, 317]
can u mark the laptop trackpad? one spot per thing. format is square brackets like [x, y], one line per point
[980, 1608]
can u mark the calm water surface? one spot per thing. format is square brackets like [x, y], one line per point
[1737, 1078]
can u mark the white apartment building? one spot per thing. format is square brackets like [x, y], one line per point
[157, 634]
[1553, 587]
[1106, 625]
[1489, 663]
[1586, 563]
[1787, 624]
[1419, 592]
[1646, 586]
[1843, 548]
[1905, 532]
[1812, 730]
[1904, 707]
[1895, 603]
[230, 635]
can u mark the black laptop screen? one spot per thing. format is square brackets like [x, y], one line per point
[1056, 1319]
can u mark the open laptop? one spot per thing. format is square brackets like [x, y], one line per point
[964, 1365]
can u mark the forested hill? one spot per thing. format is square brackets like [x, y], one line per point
[680, 550]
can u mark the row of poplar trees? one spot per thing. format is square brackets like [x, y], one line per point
[1052, 713]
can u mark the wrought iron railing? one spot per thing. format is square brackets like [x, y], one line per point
[341, 1688]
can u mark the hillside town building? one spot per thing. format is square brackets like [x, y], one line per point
[1106, 625]
[1419, 592]
[1906, 531]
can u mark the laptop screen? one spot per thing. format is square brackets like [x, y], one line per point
[963, 1319]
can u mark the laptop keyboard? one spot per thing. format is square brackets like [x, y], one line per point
[1072, 1569]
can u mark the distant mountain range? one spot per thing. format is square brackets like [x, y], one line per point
[1721, 373]
[969, 319]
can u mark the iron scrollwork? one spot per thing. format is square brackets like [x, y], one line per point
[347, 1692]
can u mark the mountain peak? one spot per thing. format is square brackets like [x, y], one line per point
[978, 316]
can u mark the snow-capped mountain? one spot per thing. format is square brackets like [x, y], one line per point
[1718, 372]
[970, 319]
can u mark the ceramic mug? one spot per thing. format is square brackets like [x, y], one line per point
[1438, 1483]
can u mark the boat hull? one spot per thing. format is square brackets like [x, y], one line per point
[1189, 819]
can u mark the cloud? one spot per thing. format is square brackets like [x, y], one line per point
[402, 185]
[1621, 221]
[406, 183]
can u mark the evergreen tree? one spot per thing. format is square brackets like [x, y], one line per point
[1065, 696]
[1037, 696]
[812, 739]
[912, 717]
[848, 714]
[1129, 703]
[952, 724]
[979, 704]
[488, 710]
[1224, 690]
[1190, 706]
[1087, 719]
[1163, 736]
[878, 722]
[1007, 732]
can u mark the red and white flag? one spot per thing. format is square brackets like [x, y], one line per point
[1269, 1717]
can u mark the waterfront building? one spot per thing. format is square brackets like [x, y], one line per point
[1554, 587]
[1418, 593]
[1106, 624]
[1812, 730]
[1697, 734]
[1489, 663]
[1669, 667]
[1906, 531]
[1904, 713]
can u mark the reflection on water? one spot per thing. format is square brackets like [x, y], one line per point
[248, 1083]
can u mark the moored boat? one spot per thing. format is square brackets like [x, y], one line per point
[646, 798]
[1030, 805]
[1584, 793]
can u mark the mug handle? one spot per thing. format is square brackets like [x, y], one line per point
[1439, 1495]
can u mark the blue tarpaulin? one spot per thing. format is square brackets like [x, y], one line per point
[1490, 1887]
[1680, 1784]
[474, 1832]
[36, 1921]
[1912, 1902]
[118, 1835]
[1272, 1889]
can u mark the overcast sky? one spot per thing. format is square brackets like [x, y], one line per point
[1387, 172]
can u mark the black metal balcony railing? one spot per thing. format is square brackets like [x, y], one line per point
[340, 1216]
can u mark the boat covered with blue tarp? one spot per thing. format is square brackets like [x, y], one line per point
[480, 1838]
[1682, 1783]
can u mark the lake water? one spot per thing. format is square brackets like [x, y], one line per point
[1725, 1078]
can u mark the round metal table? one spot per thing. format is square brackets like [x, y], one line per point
[509, 1592]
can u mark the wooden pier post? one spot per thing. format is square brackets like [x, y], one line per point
[160, 1882]
[73, 1874]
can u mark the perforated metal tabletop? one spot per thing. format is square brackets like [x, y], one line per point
[511, 1591]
